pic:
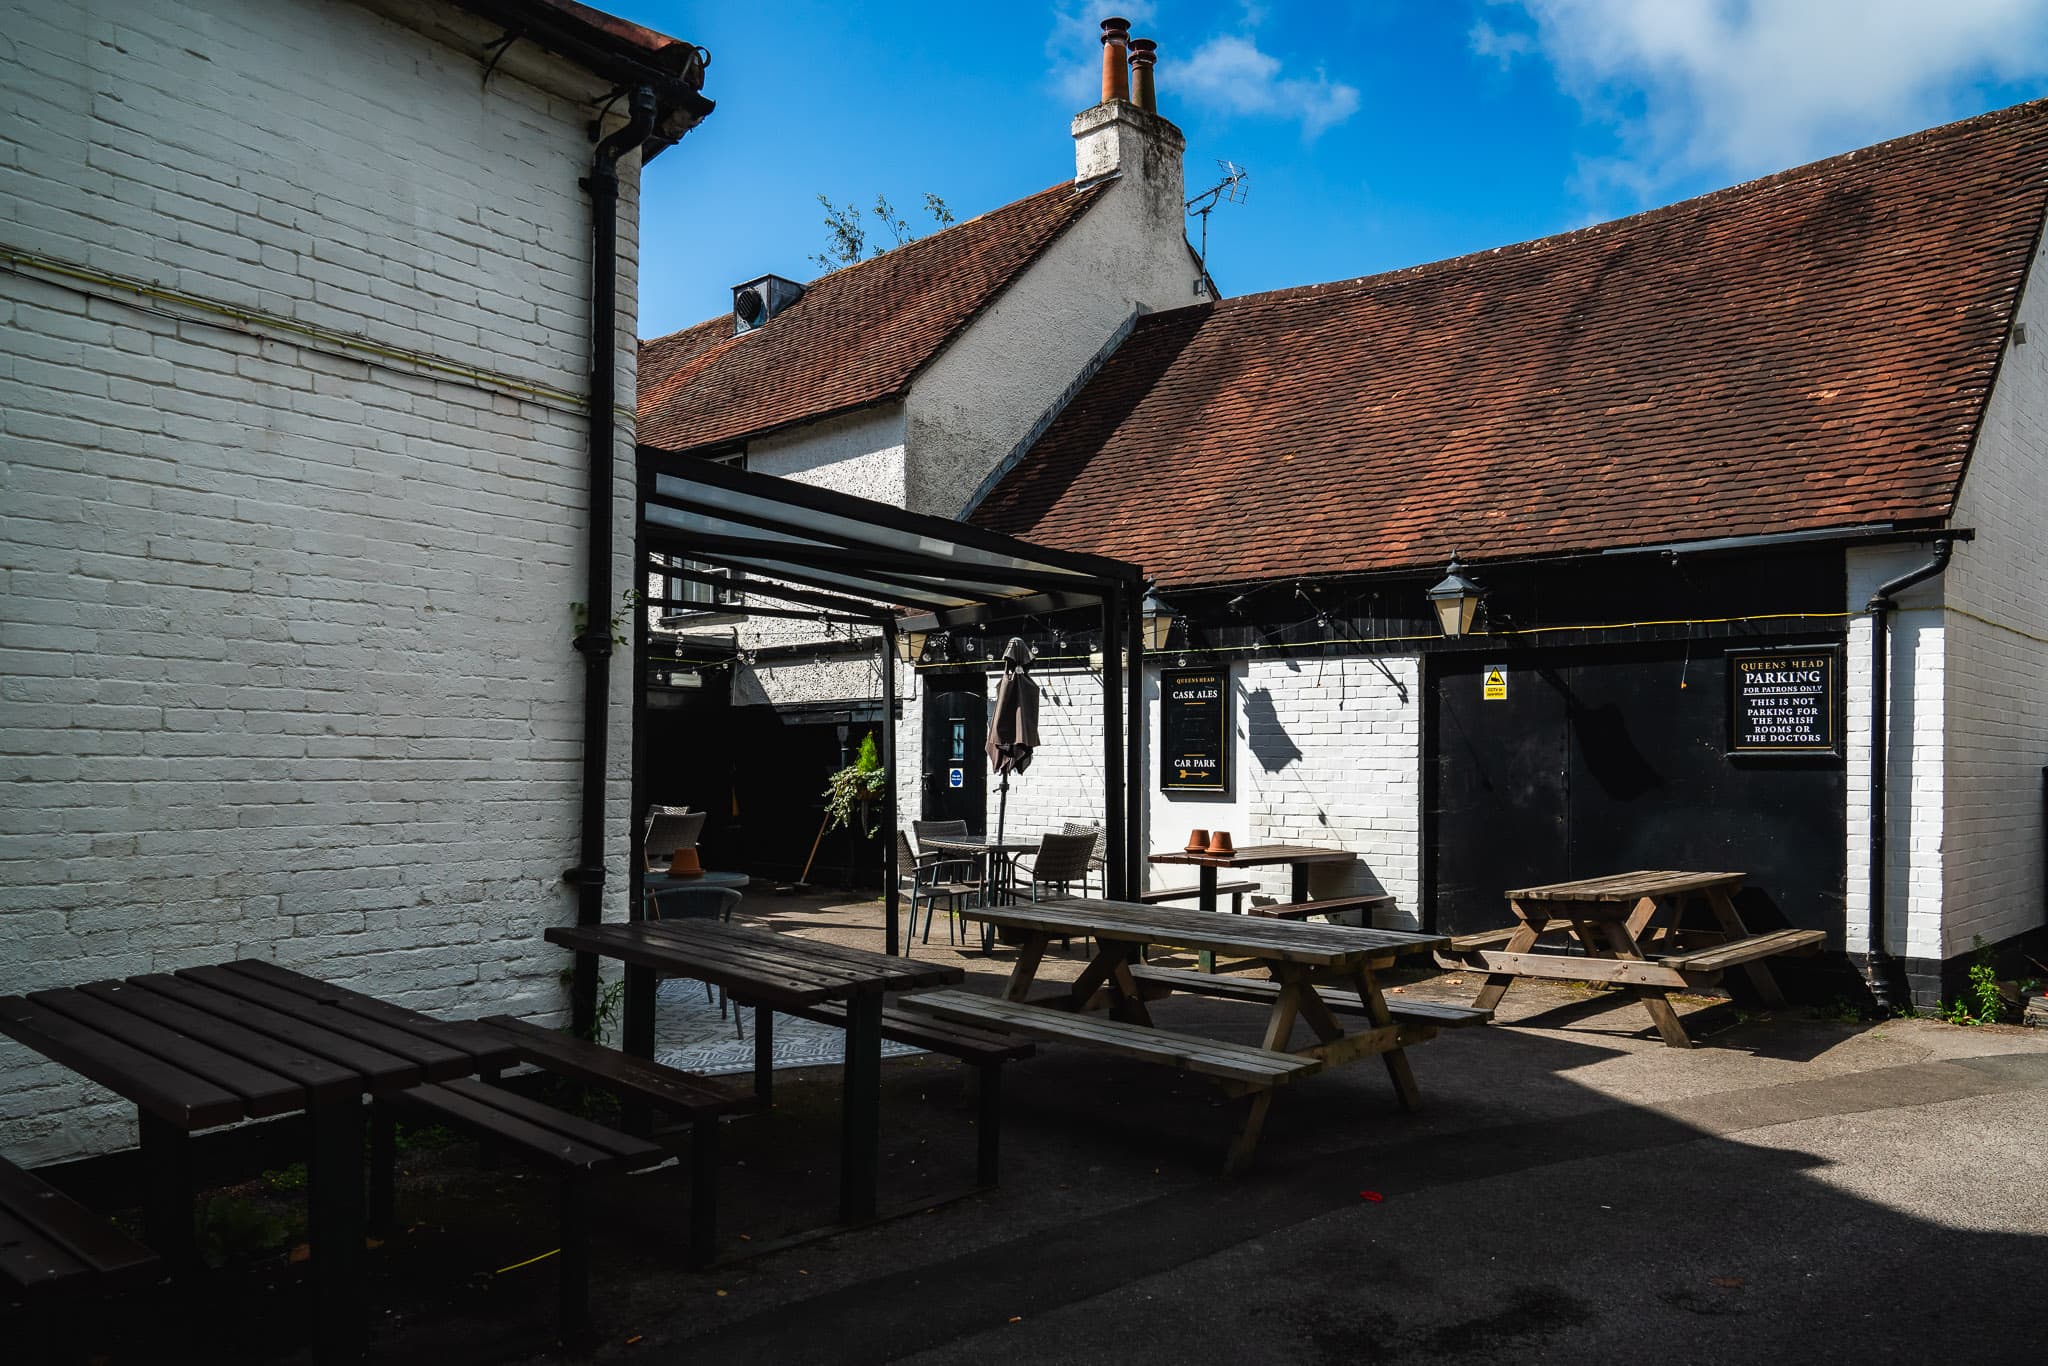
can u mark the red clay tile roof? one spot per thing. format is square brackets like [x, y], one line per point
[1808, 351]
[857, 336]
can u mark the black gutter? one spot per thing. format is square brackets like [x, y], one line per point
[595, 642]
[1881, 970]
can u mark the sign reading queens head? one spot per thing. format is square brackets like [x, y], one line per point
[1785, 701]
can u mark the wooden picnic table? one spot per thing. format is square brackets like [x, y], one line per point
[1299, 958]
[1630, 926]
[208, 1046]
[768, 971]
[1301, 857]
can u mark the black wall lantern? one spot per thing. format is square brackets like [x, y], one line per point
[1159, 619]
[1456, 601]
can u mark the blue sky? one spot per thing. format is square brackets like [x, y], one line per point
[1378, 134]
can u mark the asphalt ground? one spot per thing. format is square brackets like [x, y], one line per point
[1795, 1189]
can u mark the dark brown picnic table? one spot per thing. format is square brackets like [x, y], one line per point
[768, 970]
[1630, 926]
[208, 1046]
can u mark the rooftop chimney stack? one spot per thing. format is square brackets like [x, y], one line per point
[1144, 52]
[1124, 136]
[1116, 38]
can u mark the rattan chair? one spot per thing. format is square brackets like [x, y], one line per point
[1097, 865]
[668, 829]
[1061, 861]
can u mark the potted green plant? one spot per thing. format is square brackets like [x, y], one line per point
[853, 791]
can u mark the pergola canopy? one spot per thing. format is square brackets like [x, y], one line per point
[869, 557]
[864, 561]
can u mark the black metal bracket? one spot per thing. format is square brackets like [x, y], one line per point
[581, 876]
[594, 646]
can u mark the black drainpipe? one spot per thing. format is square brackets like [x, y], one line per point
[595, 642]
[1887, 985]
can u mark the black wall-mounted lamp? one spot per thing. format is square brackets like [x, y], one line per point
[1159, 619]
[1456, 601]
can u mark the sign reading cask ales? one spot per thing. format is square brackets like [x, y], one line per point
[1194, 730]
[1785, 701]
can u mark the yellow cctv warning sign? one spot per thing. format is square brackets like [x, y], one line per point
[1496, 685]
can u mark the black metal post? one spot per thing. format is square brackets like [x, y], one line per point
[891, 901]
[1119, 870]
[1135, 789]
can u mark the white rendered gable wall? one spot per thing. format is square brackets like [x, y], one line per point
[285, 670]
[1995, 624]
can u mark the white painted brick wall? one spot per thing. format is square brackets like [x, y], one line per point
[285, 664]
[1914, 759]
[1328, 753]
[1997, 640]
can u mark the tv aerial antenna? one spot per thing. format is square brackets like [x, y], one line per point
[1229, 190]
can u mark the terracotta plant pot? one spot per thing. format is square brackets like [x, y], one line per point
[1198, 842]
[684, 863]
[1219, 843]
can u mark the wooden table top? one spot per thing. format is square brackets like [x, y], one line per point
[1252, 856]
[213, 1045]
[753, 964]
[1285, 941]
[1628, 886]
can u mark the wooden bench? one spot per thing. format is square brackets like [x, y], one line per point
[1365, 903]
[639, 1082]
[49, 1243]
[985, 1050]
[1235, 891]
[1246, 1064]
[1432, 1015]
[1745, 950]
[575, 1150]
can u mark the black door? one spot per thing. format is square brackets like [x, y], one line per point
[1501, 781]
[1601, 762]
[955, 764]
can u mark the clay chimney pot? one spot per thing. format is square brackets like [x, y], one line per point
[1116, 37]
[1144, 52]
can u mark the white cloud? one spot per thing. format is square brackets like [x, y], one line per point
[1230, 73]
[1744, 87]
[1488, 41]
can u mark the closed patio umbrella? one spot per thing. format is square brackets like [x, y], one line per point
[1012, 723]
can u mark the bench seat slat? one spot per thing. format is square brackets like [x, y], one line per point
[534, 1141]
[1226, 987]
[1367, 902]
[628, 1150]
[951, 1037]
[1235, 1062]
[1745, 950]
[47, 1238]
[1165, 894]
[669, 1088]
